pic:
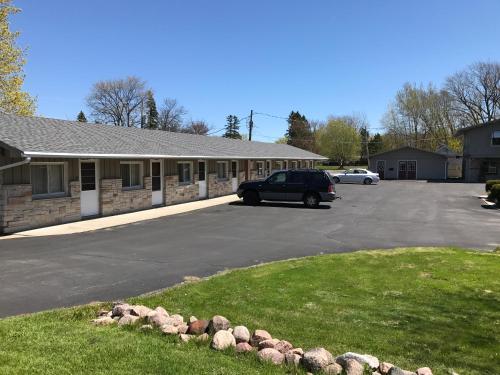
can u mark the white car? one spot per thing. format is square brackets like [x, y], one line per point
[356, 176]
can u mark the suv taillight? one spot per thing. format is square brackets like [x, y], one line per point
[330, 188]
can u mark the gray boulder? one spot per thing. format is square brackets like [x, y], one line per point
[223, 340]
[241, 334]
[218, 323]
[271, 355]
[397, 371]
[316, 359]
[370, 360]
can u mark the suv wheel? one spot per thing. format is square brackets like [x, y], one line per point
[251, 198]
[367, 181]
[311, 200]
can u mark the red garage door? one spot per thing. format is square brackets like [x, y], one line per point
[407, 170]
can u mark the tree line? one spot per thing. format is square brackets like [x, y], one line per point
[128, 102]
[424, 117]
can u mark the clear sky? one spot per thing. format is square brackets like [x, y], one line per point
[226, 57]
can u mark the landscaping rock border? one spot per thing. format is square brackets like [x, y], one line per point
[221, 336]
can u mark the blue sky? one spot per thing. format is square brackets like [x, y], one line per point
[227, 57]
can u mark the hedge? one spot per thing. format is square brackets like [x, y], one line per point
[490, 183]
[494, 195]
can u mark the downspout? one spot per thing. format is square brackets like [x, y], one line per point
[8, 166]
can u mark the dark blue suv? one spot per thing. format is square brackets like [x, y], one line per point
[310, 186]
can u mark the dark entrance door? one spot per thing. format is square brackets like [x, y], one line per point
[381, 169]
[407, 170]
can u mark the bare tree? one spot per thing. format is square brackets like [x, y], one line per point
[199, 127]
[476, 93]
[118, 101]
[171, 115]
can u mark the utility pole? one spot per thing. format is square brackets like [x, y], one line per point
[250, 125]
[367, 148]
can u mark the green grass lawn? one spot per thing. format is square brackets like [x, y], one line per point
[436, 307]
[337, 168]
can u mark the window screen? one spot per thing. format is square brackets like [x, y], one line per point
[184, 172]
[222, 170]
[47, 179]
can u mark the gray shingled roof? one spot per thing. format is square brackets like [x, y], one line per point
[37, 136]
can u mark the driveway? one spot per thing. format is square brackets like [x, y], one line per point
[47, 272]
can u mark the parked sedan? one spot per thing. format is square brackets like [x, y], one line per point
[356, 176]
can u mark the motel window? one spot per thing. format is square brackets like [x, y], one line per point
[495, 138]
[492, 168]
[222, 170]
[130, 173]
[47, 179]
[260, 168]
[184, 172]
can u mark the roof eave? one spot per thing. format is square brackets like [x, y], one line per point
[160, 156]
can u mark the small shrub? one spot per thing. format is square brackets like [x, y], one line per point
[490, 183]
[494, 195]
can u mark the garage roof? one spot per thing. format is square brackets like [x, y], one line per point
[409, 148]
[37, 136]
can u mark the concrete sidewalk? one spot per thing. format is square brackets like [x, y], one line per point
[122, 219]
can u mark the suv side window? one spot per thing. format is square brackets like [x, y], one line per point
[278, 178]
[318, 177]
[296, 178]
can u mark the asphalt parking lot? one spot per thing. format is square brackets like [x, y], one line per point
[47, 272]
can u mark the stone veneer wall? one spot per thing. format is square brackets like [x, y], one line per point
[217, 188]
[115, 200]
[175, 193]
[19, 211]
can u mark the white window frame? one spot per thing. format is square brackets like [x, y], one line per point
[286, 164]
[494, 137]
[226, 168]
[269, 167]
[260, 163]
[191, 177]
[280, 163]
[65, 180]
[141, 175]
[294, 164]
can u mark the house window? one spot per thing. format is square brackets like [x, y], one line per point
[268, 167]
[47, 179]
[294, 165]
[279, 165]
[495, 138]
[492, 168]
[184, 172]
[222, 170]
[260, 168]
[130, 173]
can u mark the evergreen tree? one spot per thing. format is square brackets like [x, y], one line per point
[375, 145]
[152, 118]
[81, 117]
[299, 132]
[232, 127]
[365, 137]
[12, 98]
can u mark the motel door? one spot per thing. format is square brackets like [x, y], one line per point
[156, 182]
[202, 178]
[234, 175]
[89, 186]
